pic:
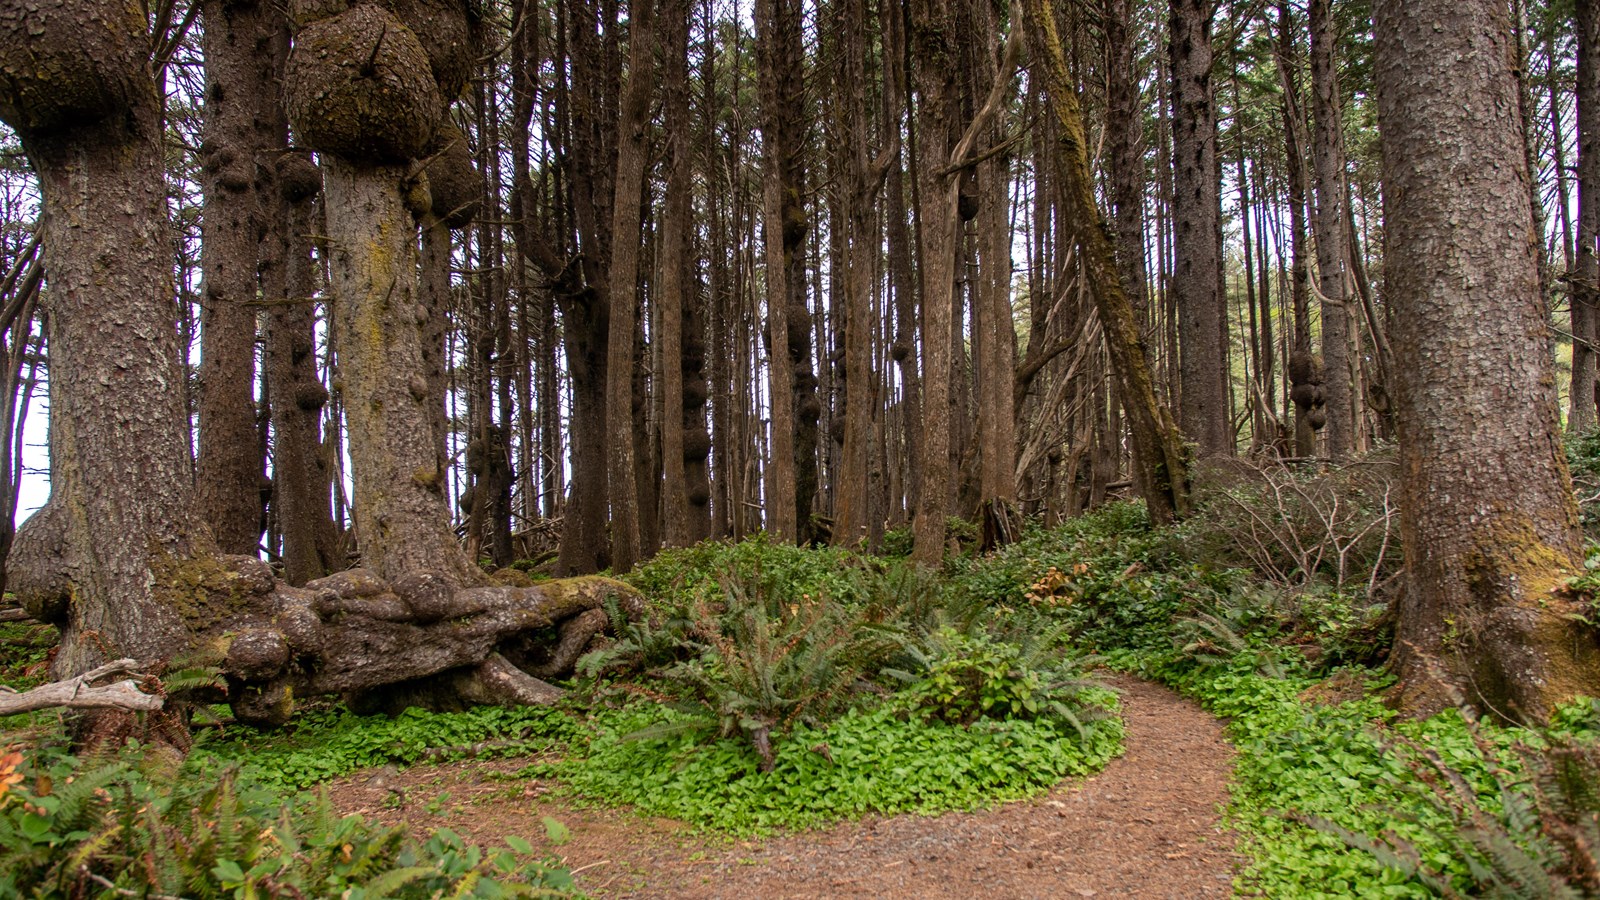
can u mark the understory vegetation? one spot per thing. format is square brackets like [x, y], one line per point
[772, 687]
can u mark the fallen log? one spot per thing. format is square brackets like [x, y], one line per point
[81, 692]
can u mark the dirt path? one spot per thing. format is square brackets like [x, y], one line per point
[1145, 827]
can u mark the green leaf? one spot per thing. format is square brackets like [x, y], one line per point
[555, 831]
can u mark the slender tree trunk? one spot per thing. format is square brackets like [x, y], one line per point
[1581, 414]
[1160, 466]
[1487, 511]
[301, 479]
[1304, 374]
[674, 300]
[935, 61]
[1204, 410]
[1332, 252]
[784, 230]
[237, 43]
[624, 281]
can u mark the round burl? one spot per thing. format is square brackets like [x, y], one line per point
[299, 179]
[70, 65]
[257, 654]
[358, 85]
[448, 32]
[453, 182]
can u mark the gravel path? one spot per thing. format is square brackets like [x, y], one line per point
[1147, 826]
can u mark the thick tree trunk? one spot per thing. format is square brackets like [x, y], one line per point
[238, 46]
[401, 517]
[1204, 410]
[76, 85]
[1332, 250]
[1488, 516]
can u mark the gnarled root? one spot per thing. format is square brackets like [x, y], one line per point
[416, 642]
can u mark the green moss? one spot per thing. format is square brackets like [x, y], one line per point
[200, 589]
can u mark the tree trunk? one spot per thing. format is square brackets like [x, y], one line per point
[784, 229]
[1488, 516]
[239, 56]
[673, 299]
[76, 85]
[1203, 356]
[1304, 372]
[1160, 466]
[1332, 250]
[1585, 282]
[623, 302]
[301, 477]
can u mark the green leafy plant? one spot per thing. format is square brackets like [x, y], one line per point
[771, 659]
[866, 761]
[1534, 834]
[322, 744]
[961, 677]
[130, 826]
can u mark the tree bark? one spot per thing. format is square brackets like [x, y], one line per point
[784, 230]
[626, 217]
[1304, 372]
[76, 85]
[301, 476]
[1160, 466]
[1487, 514]
[674, 303]
[1585, 282]
[1204, 410]
[238, 45]
[1332, 249]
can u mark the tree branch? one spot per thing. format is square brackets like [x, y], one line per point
[80, 692]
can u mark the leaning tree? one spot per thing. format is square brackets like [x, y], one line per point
[116, 558]
[1488, 515]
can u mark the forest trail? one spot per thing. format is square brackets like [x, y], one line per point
[1147, 827]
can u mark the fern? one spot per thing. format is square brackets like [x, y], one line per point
[1534, 833]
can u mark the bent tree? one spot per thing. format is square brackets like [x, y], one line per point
[1488, 515]
[116, 558]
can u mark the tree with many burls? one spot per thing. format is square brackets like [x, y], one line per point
[117, 559]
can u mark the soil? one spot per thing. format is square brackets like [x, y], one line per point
[1147, 826]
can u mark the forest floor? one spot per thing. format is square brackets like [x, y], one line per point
[1147, 826]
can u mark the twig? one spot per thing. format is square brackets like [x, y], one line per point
[120, 891]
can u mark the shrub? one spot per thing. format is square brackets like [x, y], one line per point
[764, 659]
[962, 677]
[1296, 528]
[127, 826]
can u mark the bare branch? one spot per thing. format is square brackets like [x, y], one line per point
[80, 692]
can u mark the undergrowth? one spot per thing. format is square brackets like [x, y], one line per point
[326, 743]
[773, 688]
[877, 761]
[130, 825]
